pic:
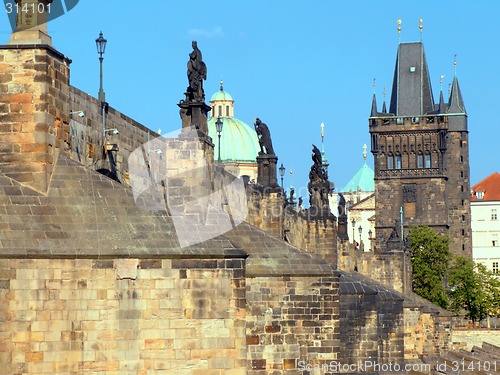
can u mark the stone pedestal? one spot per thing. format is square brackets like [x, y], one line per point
[30, 23]
[266, 170]
[319, 206]
[342, 228]
[194, 114]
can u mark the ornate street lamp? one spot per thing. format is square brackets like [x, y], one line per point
[218, 127]
[282, 174]
[101, 48]
[353, 222]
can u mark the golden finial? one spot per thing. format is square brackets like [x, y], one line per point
[384, 92]
[420, 27]
[374, 84]
[399, 29]
[322, 130]
[441, 81]
[455, 62]
[364, 151]
[221, 83]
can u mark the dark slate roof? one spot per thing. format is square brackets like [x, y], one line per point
[272, 256]
[456, 101]
[86, 214]
[411, 88]
[356, 283]
[415, 301]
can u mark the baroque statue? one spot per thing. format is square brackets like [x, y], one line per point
[196, 73]
[318, 186]
[264, 135]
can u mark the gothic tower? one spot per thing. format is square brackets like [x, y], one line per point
[421, 156]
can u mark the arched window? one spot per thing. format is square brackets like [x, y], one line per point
[420, 160]
[398, 161]
[390, 161]
[427, 160]
[227, 111]
[220, 110]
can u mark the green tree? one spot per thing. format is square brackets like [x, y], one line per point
[473, 288]
[430, 259]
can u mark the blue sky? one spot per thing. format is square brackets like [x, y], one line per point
[294, 64]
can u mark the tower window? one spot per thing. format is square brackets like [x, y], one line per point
[427, 160]
[420, 161]
[227, 111]
[494, 216]
[461, 159]
[390, 162]
[495, 267]
[398, 161]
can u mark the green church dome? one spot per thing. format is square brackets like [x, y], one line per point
[221, 95]
[363, 179]
[239, 142]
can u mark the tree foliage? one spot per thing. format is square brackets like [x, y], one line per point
[474, 289]
[430, 259]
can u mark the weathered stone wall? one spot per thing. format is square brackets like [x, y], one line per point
[458, 193]
[265, 209]
[291, 322]
[426, 333]
[316, 236]
[371, 322]
[34, 92]
[122, 316]
[86, 140]
[475, 337]
[391, 269]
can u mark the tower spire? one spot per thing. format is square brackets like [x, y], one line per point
[441, 97]
[384, 108]
[323, 155]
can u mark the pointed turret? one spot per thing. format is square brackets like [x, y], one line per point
[456, 103]
[374, 111]
[441, 103]
[411, 89]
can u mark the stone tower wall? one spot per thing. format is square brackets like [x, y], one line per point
[34, 97]
[429, 194]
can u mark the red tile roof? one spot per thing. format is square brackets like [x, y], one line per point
[490, 186]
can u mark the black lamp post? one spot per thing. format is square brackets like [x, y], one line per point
[370, 237]
[282, 174]
[360, 230]
[101, 48]
[353, 222]
[218, 127]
